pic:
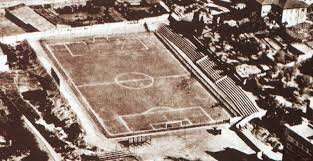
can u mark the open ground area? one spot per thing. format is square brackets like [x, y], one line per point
[196, 145]
[134, 84]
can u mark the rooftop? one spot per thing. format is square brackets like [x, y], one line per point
[303, 48]
[245, 70]
[304, 130]
[288, 4]
[29, 16]
[285, 4]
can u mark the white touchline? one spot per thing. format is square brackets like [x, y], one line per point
[96, 84]
[173, 76]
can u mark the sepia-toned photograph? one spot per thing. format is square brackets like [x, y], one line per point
[156, 80]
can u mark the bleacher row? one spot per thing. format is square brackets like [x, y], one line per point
[209, 68]
[181, 43]
[244, 105]
[237, 96]
[116, 155]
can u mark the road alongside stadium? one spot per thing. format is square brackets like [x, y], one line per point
[52, 152]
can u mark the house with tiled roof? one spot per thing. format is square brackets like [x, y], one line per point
[290, 12]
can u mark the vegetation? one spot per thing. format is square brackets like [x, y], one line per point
[99, 12]
[307, 67]
[275, 117]
[23, 141]
[301, 32]
[45, 107]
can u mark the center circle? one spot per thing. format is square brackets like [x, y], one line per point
[134, 80]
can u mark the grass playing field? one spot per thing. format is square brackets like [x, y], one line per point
[134, 84]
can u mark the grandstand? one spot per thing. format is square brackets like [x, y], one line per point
[239, 101]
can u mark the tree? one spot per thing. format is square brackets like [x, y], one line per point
[73, 132]
[307, 67]
[303, 81]
[36, 155]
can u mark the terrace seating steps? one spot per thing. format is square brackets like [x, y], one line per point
[115, 155]
[243, 104]
[181, 43]
[237, 96]
[208, 66]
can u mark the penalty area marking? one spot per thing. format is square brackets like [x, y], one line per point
[142, 43]
[124, 123]
[205, 113]
[69, 50]
[151, 110]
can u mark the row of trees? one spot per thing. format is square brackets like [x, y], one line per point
[23, 141]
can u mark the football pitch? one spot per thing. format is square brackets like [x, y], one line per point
[134, 84]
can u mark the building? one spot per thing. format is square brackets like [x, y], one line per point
[244, 72]
[290, 12]
[263, 7]
[294, 12]
[152, 1]
[131, 2]
[309, 110]
[28, 19]
[298, 144]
